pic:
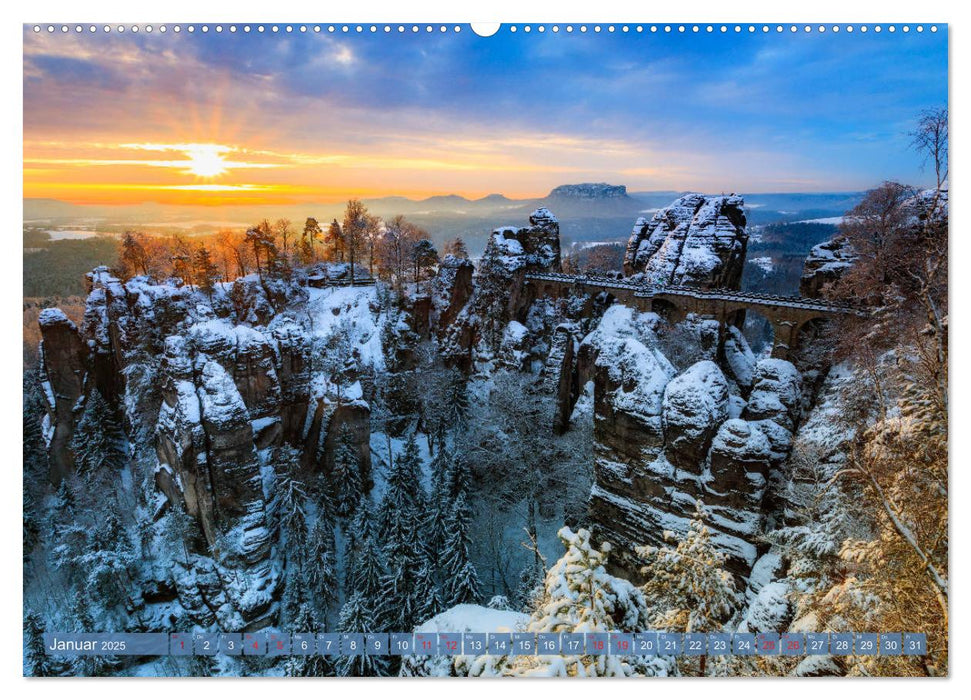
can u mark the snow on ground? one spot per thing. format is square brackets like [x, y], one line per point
[333, 308]
[834, 220]
[475, 618]
[764, 263]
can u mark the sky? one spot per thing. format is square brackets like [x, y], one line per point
[244, 118]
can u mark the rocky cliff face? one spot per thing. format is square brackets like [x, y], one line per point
[497, 294]
[711, 422]
[824, 265]
[215, 392]
[665, 439]
[64, 371]
[696, 241]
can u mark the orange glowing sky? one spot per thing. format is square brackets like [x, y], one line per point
[248, 119]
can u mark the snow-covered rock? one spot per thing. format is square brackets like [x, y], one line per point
[739, 359]
[776, 393]
[63, 374]
[696, 241]
[825, 264]
[695, 404]
[771, 610]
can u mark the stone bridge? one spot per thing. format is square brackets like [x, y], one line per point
[789, 316]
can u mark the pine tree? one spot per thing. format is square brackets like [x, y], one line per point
[63, 504]
[440, 504]
[260, 238]
[289, 509]
[98, 442]
[108, 558]
[398, 590]
[133, 258]
[346, 479]
[366, 565]
[427, 596]
[31, 524]
[314, 665]
[530, 587]
[578, 596]
[321, 567]
[357, 617]
[457, 248]
[423, 256]
[206, 271]
[335, 239]
[36, 661]
[95, 665]
[311, 233]
[461, 583]
[289, 517]
[687, 586]
[403, 488]
[203, 666]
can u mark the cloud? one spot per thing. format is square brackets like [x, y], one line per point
[373, 111]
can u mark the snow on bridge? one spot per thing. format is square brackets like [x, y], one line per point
[789, 315]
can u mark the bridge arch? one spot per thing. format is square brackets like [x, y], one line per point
[759, 327]
[667, 309]
[815, 332]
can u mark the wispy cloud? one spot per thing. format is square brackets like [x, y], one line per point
[380, 113]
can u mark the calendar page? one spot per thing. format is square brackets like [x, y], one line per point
[515, 350]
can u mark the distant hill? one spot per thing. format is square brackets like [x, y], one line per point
[587, 212]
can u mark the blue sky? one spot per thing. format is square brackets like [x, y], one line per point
[323, 115]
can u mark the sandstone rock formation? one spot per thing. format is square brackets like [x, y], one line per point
[589, 190]
[695, 403]
[498, 295]
[217, 392]
[451, 290]
[696, 241]
[536, 247]
[825, 264]
[664, 440]
[64, 372]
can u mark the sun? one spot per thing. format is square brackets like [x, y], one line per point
[206, 160]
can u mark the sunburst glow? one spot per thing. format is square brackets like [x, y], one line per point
[206, 160]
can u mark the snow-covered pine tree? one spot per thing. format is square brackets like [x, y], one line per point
[203, 666]
[62, 506]
[427, 597]
[346, 482]
[579, 596]
[357, 617]
[531, 584]
[460, 581]
[399, 594]
[403, 486]
[314, 665]
[31, 524]
[95, 665]
[108, 560]
[366, 565]
[320, 569]
[206, 271]
[687, 588]
[439, 504]
[459, 478]
[99, 441]
[37, 663]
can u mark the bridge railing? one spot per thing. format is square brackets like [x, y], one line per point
[646, 291]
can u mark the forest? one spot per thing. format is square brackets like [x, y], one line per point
[339, 427]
